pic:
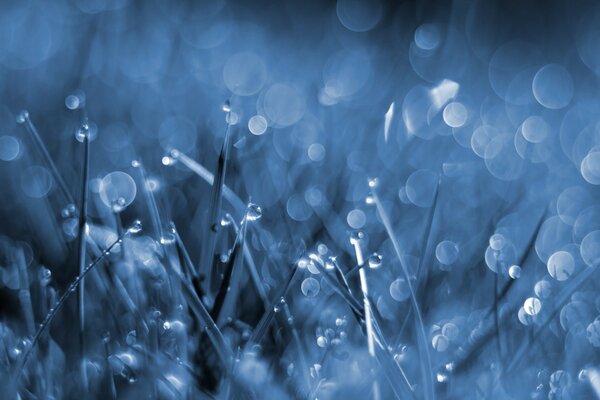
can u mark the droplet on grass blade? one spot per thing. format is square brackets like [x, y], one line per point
[253, 212]
[375, 260]
[22, 116]
[136, 227]
[356, 236]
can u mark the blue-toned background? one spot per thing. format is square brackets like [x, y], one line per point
[480, 236]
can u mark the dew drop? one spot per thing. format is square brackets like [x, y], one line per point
[22, 117]
[45, 276]
[253, 212]
[322, 341]
[226, 106]
[136, 227]
[356, 236]
[375, 261]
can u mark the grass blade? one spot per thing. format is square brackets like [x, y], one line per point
[425, 364]
[214, 210]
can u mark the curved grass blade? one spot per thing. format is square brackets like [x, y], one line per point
[61, 301]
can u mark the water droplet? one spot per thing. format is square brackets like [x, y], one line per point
[356, 236]
[226, 220]
[559, 379]
[45, 276]
[322, 341]
[440, 343]
[65, 212]
[532, 306]
[370, 200]
[131, 338]
[330, 263]
[136, 227]
[561, 265]
[22, 117]
[135, 163]
[167, 238]
[497, 242]
[373, 183]
[227, 106]
[446, 252]
[117, 190]
[106, 336]
[375, 261]
[514, 272]
[322, 249]
[356, 219]
[83, 132]
[290, 369]
[450, 330]
[10, 148]
[72, 102]
[253, 212]
[257, 125]
[310, 287]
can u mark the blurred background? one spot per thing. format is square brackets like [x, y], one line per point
[479, 120]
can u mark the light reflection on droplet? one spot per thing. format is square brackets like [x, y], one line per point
[553, 86]
[310, 287]
[9, 148]
[455, 115]
[446, 252]
[356, 219]
[257, 125]
[36, 181]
